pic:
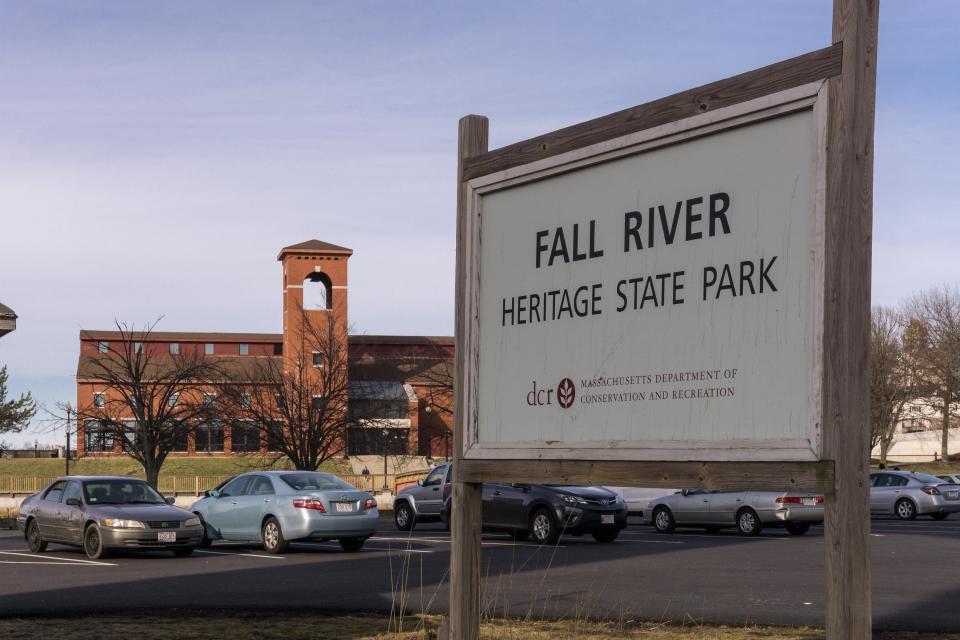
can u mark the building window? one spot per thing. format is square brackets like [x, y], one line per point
[179, 438]
[172, 400]
[365, 441]
[244, 349]
[131, 436]
[138, 347]
[318, 358]
[103, 347]
[281, 401]
[174, 348]
[97, 436]
[208, 349]
[379, 409]
[245, 401]
[208, 399]
[318, 403]
[275, 437]
[317, 291]
[209, 437]
[99, 399]
[245, 437]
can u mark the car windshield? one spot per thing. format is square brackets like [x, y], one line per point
[923, 477]
[120, 492]
[315, 482]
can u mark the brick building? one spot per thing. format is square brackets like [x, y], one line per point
[405, 382]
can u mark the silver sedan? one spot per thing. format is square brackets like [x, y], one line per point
[104, 513]
[909, 494]
[748, 511]
[278, 507]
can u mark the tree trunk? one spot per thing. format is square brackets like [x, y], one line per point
[945, 436]
[884, 448]
[152, 471]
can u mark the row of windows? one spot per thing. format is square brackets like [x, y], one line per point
[208, 437]
[208, 348]
[359, 409]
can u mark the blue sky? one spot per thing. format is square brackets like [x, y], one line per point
[155, 156]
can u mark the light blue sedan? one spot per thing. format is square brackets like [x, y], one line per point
[278, 507]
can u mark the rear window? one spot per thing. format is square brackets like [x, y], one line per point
[923, 477]
[315, 482]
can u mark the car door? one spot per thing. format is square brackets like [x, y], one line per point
[691, 507]
[507, 505]
[258, 496]
[70, 516]
[724, 506]
[222, 513]
[48, 507]
[429, 496]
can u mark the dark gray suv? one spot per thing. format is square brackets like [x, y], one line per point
[421, 503]
[543, 511]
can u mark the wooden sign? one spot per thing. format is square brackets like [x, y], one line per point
[677, 294]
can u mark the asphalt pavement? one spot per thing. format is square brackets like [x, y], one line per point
[688, 576]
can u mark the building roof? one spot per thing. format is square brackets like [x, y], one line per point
[203, 336]
[7, 312]
[381, 390]
[314, 246]
[184, 336]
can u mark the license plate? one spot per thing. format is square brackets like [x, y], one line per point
[345, 506]
[167, 536]
[606, 519]
[952, 495]
[808, 502]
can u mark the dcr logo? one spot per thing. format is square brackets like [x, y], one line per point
[566, 393]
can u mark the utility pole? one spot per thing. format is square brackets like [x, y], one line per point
[67, 433]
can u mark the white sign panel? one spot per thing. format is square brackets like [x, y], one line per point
[656, 299]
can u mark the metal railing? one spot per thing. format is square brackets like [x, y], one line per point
[169, 485]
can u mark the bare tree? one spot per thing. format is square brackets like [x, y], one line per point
[934, 345]
[300, 401]
[15, 415]
[150, 400]
[893, 381]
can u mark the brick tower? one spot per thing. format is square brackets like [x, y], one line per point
[314, 291]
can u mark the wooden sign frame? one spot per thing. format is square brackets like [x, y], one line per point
[846, 72]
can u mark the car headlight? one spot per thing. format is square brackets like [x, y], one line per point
[572, 499]
[192, 522]
[122, 524]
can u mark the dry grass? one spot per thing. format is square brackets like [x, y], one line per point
[233, 626]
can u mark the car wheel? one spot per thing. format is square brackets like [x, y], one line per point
[186, 552]
[663, 520]
[272, 536]
[34, 541]
[519, 534]
[712, 529]
[543, 527]
[748, 523]
[796, 528]
[403, 517]
[940, 516]
[93, 543]
[606, 536]
[352, 545]
[905, 509]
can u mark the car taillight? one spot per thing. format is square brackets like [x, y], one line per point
[931, 491]
[446, 488]
[309, 503]
[370, 504]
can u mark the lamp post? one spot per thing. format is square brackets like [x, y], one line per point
[386, 450]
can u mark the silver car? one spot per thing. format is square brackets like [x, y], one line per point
[423, 501]
[103, 513]
[278, 507]
[909, 494]
[748, 511]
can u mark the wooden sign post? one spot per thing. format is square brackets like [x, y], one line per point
[677, 294]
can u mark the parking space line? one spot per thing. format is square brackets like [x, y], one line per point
[58, 558]
[61, 564]
[486, 543]
[367, 548]
[246, 555]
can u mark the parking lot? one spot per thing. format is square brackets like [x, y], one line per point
[690, 575]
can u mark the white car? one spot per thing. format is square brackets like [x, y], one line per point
[637, 498]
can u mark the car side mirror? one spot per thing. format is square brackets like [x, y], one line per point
[213, 493]
[420, 482]
[170, 499]
[685, 492]
[73, 502]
